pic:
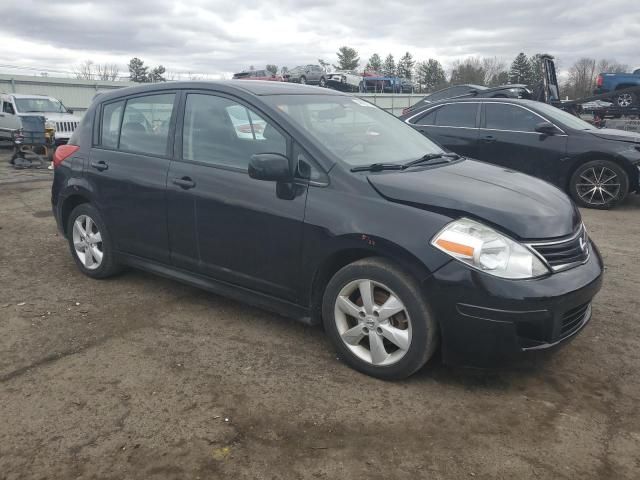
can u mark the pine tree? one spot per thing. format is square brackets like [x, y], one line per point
[137, 71]
[375, 63]
[520, 71]
[347, 59]
[389, 66]
[431, 75]
[405, 66]
[157, 75]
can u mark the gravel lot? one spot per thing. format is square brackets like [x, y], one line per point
[142, 377]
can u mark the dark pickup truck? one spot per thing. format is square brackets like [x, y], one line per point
[612, 82]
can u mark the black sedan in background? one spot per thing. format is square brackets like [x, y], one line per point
[475, 91]
[598, 167]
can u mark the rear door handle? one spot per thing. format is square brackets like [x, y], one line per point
[488, 139]
[100, 166]
[184, 182]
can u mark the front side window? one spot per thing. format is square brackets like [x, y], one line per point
[8, 108]
[510, 117]
[222, 132]
[457, 115]
[352, 130]
[111, 114]
[145, 124]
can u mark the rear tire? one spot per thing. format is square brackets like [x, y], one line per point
[626, 100]
[385, 337]
[90, 244]
[599, 184]
[323, 82]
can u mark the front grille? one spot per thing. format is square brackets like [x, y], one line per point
[66, 126]
[574, 318]
[564, 254]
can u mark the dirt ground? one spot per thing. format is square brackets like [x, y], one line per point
[142, 377]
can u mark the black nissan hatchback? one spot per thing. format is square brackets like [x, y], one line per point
[323, 207]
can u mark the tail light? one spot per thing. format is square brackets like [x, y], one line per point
[63, 152]
[599, 81]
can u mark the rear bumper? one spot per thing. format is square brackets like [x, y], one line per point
[486, 321]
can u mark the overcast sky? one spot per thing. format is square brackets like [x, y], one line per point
[224, 36]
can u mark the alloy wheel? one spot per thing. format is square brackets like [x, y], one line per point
[625, 100]
[303, 81]
[373, 322]
[598, 186]
[87, 242]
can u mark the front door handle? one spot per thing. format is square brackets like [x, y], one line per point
[100, 166]
[488, 139]
[185, 182]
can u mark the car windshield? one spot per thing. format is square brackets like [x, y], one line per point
[353, 130]
[29, 105]
[563, 117]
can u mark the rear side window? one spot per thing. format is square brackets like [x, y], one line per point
[111, 114]
[145, 124]
[510, 117]
[220, 131]
[428, 118]
[457, 115]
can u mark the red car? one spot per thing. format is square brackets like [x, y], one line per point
[257, 75]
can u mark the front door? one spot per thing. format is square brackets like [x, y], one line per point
[128, 171]
[222, 223]
[508, 137]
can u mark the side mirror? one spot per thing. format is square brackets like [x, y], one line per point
[69, 110]
[270, 166]
[547, 128]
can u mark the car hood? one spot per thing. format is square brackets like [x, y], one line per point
[524, 206]
[52, 116]
[614, 134]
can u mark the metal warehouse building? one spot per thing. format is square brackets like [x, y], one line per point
[73, 93]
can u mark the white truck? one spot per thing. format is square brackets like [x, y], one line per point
[13, 106]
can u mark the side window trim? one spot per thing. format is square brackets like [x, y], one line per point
[483, 123]
[179, 130]
[438, 107]
[125, 99]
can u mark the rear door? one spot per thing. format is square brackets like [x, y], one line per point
[452, 125]
[128, 171]
[508, 137]
[222, 223]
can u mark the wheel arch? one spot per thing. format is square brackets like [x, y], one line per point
[343, 256]
[69, 203]
[590, 156]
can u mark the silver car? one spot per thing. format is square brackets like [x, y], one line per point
[307, 74]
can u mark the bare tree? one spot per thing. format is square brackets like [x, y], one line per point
[581, 78]
[107, 71]
[495, 71]
[611, 66]
[84, 70]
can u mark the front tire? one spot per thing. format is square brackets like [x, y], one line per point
[378, 319]
[303, 80]
[90, 243]
[599, 184]
[323, 82]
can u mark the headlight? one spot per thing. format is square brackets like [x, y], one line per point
[50, 124]
[485, 249]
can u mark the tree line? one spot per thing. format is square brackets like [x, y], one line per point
[428, 75]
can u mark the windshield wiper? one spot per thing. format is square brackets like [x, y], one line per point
[377, 167]
[429, 157]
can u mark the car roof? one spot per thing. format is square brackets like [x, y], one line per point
[519, 101]
[255, 87]
[28, 95]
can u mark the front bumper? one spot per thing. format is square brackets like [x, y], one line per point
[486, 320]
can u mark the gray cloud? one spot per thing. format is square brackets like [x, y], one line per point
[210, 37]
